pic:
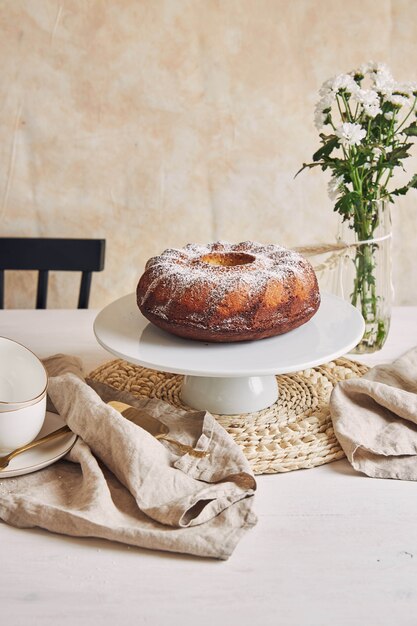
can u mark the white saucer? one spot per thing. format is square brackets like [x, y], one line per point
[43, 455]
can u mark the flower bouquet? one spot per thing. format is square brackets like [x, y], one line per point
[370, 124]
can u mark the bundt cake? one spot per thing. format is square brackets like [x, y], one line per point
[225, 292]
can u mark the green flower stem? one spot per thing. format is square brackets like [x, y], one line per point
[342, 114]
[407, 116]
[364, 294]
[347, 108]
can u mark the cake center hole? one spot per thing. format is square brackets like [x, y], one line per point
[228, 259]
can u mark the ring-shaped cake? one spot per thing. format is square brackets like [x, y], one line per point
[223, 292]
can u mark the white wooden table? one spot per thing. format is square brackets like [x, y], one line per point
[331, 548]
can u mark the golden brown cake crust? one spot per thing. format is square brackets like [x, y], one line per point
[224, 292]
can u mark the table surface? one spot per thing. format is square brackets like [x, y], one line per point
[331, 547]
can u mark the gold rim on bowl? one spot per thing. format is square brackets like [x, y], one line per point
[30, 401]
[23, 406]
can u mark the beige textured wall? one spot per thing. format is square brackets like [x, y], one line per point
[154, 123]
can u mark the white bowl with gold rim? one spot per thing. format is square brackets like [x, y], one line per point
[23, 387]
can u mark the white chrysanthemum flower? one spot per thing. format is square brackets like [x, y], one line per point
[323, 104]
[326, 87]
[372, 110]
[344, 81]
[369, 99]
[373, 67]
[406, 89]
[334, 187]
[367, 96]
[382, 79]
[384, 85]
[350, 134]
[335, 84]
[389, 115]
[397, 100]
[326, 101]
[319, 119]
[383, 68]
[370, 67]
[376, 152]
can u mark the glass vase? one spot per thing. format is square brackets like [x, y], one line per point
[363, 275]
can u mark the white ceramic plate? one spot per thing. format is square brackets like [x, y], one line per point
[334, 330]
[43, 455]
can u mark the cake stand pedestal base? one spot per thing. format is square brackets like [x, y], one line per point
[229, 396]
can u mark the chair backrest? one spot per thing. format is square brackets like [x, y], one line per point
[43, 255]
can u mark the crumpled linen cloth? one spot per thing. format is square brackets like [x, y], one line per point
[120, 483]
[375, 419]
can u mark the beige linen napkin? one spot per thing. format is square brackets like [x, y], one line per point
[123, 484]
[375, 419]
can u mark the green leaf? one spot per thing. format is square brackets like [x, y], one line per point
[306, 166]
[410, 130]
[394, 158]
[347, 203]
[401, 191]
[326, 149]
[400, 152]
[324, 138]
[413, 182]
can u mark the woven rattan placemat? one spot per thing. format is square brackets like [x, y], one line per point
[294, 433]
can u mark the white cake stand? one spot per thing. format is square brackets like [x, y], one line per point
[229, 378]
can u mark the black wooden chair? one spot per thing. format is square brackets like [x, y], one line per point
[44, 255]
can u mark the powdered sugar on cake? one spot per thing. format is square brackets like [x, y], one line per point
[187, 271]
